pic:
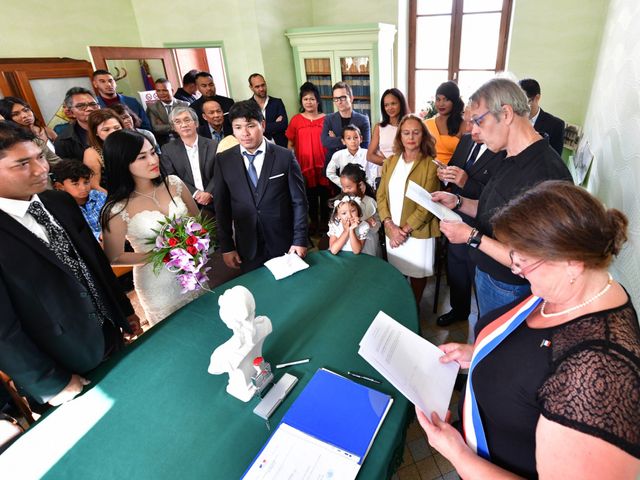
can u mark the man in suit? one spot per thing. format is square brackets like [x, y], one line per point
[105, 85]
[74, 139]
[334, 122]
[187, 93]
[215, 126]
[62, 309]
[191, 157]
[206, 86]
[260, 200]
[543, 122]
[158, 112]
[467, 173]
[273, 111]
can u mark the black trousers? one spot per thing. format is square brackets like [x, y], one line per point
[460, 274]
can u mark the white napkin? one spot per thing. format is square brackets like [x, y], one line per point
[286, 265]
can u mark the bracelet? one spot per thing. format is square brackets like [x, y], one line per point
[458, 202]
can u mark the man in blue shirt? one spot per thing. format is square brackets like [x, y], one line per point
[105, 85]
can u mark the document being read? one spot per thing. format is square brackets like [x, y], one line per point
[410, 363]
[423, 198]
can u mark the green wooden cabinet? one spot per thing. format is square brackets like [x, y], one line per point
[361, 55]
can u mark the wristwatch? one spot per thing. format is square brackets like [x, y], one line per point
[475, 238]
[458, 202]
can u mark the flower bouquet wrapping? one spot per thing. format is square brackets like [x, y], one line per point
[181, 245]
[428, 111]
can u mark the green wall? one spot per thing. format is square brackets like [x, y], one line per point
[557, 43]
[33, 28]
[337, 12]
[252, 33]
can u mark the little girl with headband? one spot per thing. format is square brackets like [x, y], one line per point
[347, 231]
[353, 182]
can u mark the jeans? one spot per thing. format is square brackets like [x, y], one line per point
[494, 294]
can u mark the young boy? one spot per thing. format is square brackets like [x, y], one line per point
[74, 177]
[351, 138]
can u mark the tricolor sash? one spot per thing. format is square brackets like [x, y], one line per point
[488, 339]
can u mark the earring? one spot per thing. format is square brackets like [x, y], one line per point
[572, 281]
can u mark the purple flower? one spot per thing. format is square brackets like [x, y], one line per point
[160, 242]
[202, 244]
[188, 282]
[193, 227]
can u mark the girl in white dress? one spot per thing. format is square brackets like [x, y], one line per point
[347, 230]
[139, 198]
[353, 183]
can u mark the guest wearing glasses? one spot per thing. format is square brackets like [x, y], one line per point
[335, 122]
[74, 139]
[554, 378]
[500, 115]
[191, 157]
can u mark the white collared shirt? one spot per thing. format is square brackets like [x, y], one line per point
[264, 108]
[535, 117]
[259, 160]
[194, 162]
[18, 210]
[483, 148]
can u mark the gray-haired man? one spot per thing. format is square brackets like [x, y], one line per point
[191, 156]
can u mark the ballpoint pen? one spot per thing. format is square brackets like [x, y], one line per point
[357, 375]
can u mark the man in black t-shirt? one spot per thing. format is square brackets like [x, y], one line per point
[500, 116]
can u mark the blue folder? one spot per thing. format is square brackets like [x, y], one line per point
[340, 412]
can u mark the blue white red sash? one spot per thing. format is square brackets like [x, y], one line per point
[488, 339]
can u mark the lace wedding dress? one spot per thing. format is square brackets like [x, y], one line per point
[159, 294]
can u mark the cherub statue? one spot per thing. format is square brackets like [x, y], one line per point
[235, 356]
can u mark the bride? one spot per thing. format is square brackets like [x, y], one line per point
[139, 196]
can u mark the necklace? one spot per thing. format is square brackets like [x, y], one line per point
[578, 307]
[151, 197]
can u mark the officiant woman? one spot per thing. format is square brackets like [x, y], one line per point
[554, 378]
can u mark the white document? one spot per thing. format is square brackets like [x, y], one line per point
[286, 265]
[296, 455]
[423, 198]
[410, 363]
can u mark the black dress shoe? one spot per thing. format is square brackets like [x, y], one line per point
[447, 319]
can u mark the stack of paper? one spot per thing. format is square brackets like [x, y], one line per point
[286, 265]
[410, 363]
[326, 433]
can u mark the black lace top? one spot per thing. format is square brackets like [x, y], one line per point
[584, 374]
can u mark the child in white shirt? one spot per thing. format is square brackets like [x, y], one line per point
[351, 138]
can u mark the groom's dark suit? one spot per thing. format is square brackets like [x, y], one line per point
[267, 220]
[49, 328]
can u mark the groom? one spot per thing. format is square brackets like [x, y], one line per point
[259, 195]
[62, 311]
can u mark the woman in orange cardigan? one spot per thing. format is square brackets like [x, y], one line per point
[410, 229]
[447, 126]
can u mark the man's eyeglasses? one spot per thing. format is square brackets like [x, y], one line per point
[86, 106]
[342, 98]
[523, 272]
[478, 120]
[179, 123]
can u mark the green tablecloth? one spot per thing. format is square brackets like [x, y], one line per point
[154, 412]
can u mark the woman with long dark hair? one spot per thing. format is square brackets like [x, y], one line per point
[446, 127]
[18, 111]
[139, 197]
[393, 106]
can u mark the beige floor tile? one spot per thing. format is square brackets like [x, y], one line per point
[419, 449]
[410, 472]
[407, 459]
[428, 469]
[443, 464]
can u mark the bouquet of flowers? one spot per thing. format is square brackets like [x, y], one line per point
[428, 111]
[181, 245]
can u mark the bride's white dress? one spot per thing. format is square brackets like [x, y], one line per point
[159, 294]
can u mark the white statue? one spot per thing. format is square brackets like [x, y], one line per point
[235, 356]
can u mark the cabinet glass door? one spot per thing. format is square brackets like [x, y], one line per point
[318, 71]
[355, 71]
